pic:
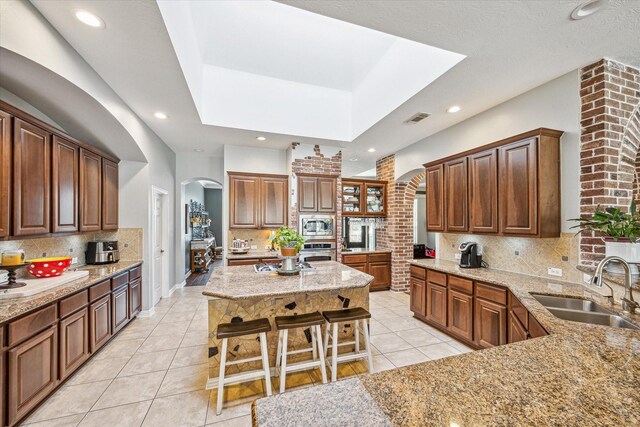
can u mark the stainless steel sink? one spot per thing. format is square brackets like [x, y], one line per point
[571, 304]
[584, 311]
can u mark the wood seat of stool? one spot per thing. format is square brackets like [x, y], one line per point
[237, 329]
[348, 315]
[299, 321]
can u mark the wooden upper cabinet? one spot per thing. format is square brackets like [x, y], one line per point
[109, 195]
[5, 173]
[64, 186]
[483, 192]
[244, 193]
[274, 201]
[326, 195]
[90, 191]
[435, 197]
[31, 179]
[518, 187]
[455, 191]
[307, 194]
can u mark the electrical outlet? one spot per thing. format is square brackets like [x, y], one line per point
[254, 247]
[586, 278]
[458, 256]
[551, 271]
[74, 260]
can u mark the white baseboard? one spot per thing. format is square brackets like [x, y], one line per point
[186, 276]
[147, 313]
[173, 289]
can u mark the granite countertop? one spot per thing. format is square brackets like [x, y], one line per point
[366, 251]
[253, 253]
[242, 282]
[14, 307]
[580, 374]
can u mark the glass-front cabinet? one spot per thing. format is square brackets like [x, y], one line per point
[364, 198]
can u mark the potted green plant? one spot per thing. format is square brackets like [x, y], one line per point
[288, 240]
[620, 231]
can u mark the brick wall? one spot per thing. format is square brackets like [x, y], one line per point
[321, 165]
[610, 137]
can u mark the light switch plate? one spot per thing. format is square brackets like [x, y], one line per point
[586, 278]
[254, 247]
[74, 260]
[551, 271]
[458, 256]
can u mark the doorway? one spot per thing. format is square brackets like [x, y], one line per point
[159, 240]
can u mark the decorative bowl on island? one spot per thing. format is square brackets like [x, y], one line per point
[49, 267]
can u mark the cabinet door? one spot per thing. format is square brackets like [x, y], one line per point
[455, 195]
[119, 308]
[460, 306]
[74, 342]
[381, 272]
[360, 267]
[99, 323]
[31, 179]
[5, 172]
[435, 198]
[535, 328]
[491, 323]
[516, 332]
[109, 195]
[64, 186]
[135, 293]
[90, 191]
[376, 203]
[417, 297]
[352, 199]
[518, 187]
[483, 192]
[32, 372]
[274, 198]
[244, 199]
[326, 195]
[437, 304]
[307, 194]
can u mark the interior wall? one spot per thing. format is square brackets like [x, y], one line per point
[213, 202]
[420, 222]
[16, 101]
[192, 192]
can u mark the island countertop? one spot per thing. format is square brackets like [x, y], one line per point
[242, 282]
[580, 374]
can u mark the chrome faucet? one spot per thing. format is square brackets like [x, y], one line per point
[628, 303]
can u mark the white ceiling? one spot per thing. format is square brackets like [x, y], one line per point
[511, 47]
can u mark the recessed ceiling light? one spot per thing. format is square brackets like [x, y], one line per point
[371, 150]
[587, 8]
[261, 138]
[453, 109]
[88, 18]
[160, 115]
[198, 150]
[353, 159]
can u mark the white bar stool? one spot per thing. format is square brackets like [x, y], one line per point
[334, 318]
[238, 329]
[313, 321]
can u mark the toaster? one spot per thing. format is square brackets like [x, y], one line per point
[102, 252]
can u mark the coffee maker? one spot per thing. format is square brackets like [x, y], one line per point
[105, 252]
[469, 257]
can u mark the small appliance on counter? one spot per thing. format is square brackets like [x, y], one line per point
[470, 258]
[102, 252]
[239, 246]
[421, 251]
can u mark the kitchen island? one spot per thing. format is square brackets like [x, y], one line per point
[239, 293]
[579, 374]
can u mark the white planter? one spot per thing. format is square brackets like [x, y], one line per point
[628, 251]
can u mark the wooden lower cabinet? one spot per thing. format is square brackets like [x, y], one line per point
[490, 323]
[460, 308]
[535, 328]
[381, 272]
[32, 372]
[119, 308]
[251, 261]
[74, 342]
[437, 304]
[376, 264]
[99, 323]
[417, 300]
[516, 331]
[135, 294]
[360, 267]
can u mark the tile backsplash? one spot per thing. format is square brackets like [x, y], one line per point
[520, 255]
[260, 238]
[129, 239]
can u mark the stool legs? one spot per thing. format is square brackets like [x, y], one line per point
[358, 330]
[367, 342]
[265, 361]
[323, 368]
[283, 368]
[357, 336]
[334, 353]
[223, 362]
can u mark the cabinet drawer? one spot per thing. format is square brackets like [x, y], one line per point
[73, 303]
[463, 285]
[244, 261]
[379, 257]
[354, 259]
[437, 277]
[119, 280]
[418, 272]
[28, 326]
[99, 290]
[135, 273]
[491, 293]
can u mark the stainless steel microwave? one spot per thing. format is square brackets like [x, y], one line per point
[315, 227]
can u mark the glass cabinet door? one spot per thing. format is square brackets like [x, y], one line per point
[352, 198]
[375, 199]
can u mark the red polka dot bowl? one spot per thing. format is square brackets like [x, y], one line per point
[49, 267]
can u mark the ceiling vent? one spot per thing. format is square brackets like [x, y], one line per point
[418, 117]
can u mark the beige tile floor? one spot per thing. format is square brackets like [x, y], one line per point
[154, 372]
